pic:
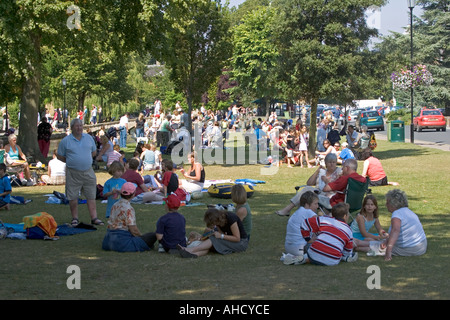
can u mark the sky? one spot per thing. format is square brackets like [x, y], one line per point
[394, 16]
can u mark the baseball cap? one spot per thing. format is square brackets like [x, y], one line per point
[128, 188]
[172, 201]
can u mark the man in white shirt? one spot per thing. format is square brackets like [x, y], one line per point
[123, 129]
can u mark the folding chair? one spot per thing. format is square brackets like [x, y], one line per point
[355, 193]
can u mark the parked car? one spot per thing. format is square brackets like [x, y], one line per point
[429, 119]
[351, 115]
[372, 119]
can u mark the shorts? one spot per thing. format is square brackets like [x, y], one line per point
[81, 181]
[381, 182]
[290, 153]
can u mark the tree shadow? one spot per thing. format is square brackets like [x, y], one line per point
[399, 153]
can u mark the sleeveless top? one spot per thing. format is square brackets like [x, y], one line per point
[247, 222]
[375, 170]
[14, 155]
[202, 174]
[367, 225]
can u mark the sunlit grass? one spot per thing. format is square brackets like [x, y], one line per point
[36, 269]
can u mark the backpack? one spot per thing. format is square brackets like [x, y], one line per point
[112, 132]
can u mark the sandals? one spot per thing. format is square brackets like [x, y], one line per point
[75, 222]
[97, 222]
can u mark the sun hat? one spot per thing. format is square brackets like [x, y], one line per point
[128, 188]
[172, 201]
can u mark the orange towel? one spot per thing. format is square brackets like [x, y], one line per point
[43, 220]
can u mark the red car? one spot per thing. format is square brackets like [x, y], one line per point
[429, 119]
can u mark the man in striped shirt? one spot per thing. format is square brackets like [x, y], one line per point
[330, 239]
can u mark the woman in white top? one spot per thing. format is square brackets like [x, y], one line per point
[406, 234]
[316, 182]
[56, 173]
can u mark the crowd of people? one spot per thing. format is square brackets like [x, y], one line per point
[319, 231]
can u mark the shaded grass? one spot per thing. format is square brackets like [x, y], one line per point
[36, 269]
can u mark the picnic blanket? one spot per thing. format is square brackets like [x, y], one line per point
[61, 230]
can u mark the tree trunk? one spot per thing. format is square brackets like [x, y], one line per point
[267, 99]
[313, 128]
[29, 104]
[80, 100]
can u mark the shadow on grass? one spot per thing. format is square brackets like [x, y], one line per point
[399, 153]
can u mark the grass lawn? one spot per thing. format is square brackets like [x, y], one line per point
[37, 269]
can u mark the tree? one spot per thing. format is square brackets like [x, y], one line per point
[27, 27]
[255, 56]
[320, 46]
[432, 38]
[196, 46]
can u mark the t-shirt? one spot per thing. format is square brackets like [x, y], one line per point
[172, 226]
[231, 219]
[341, 184]
[334, 239]
[411, 230]
[346, 153]
[122, 216]
[5, 185]
[78, 153]
[165, 126]
[149, 157]
[293, 234]
[134, 177]
[170, 180]
[57, 168]
[110, 184]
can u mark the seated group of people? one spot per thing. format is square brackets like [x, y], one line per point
[325, 189]
[325, 240]
[154, 187]
[226, 231]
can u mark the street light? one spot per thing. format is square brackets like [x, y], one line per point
[64, 82]
[411, 5]
[6, 106]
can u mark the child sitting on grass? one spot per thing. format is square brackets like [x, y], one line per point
[5, 188]
[366, 219]
[330, 239]
[294, 242]
[123, 234]
[170, 228]
[111, 189]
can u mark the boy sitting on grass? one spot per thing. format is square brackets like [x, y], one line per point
[334, 240]
[170, 228]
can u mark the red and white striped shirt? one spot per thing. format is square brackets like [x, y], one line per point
[334, 239]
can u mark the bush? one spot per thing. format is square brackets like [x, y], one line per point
[400, 114]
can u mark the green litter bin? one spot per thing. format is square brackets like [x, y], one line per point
[396, 131]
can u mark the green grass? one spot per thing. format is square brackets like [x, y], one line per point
[36, 269]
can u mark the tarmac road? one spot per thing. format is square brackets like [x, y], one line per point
[427, 138]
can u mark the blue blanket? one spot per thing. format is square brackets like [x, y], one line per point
[62, 230]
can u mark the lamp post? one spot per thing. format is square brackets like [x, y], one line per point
[411, 5]
[6, 119]
[64, 82]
